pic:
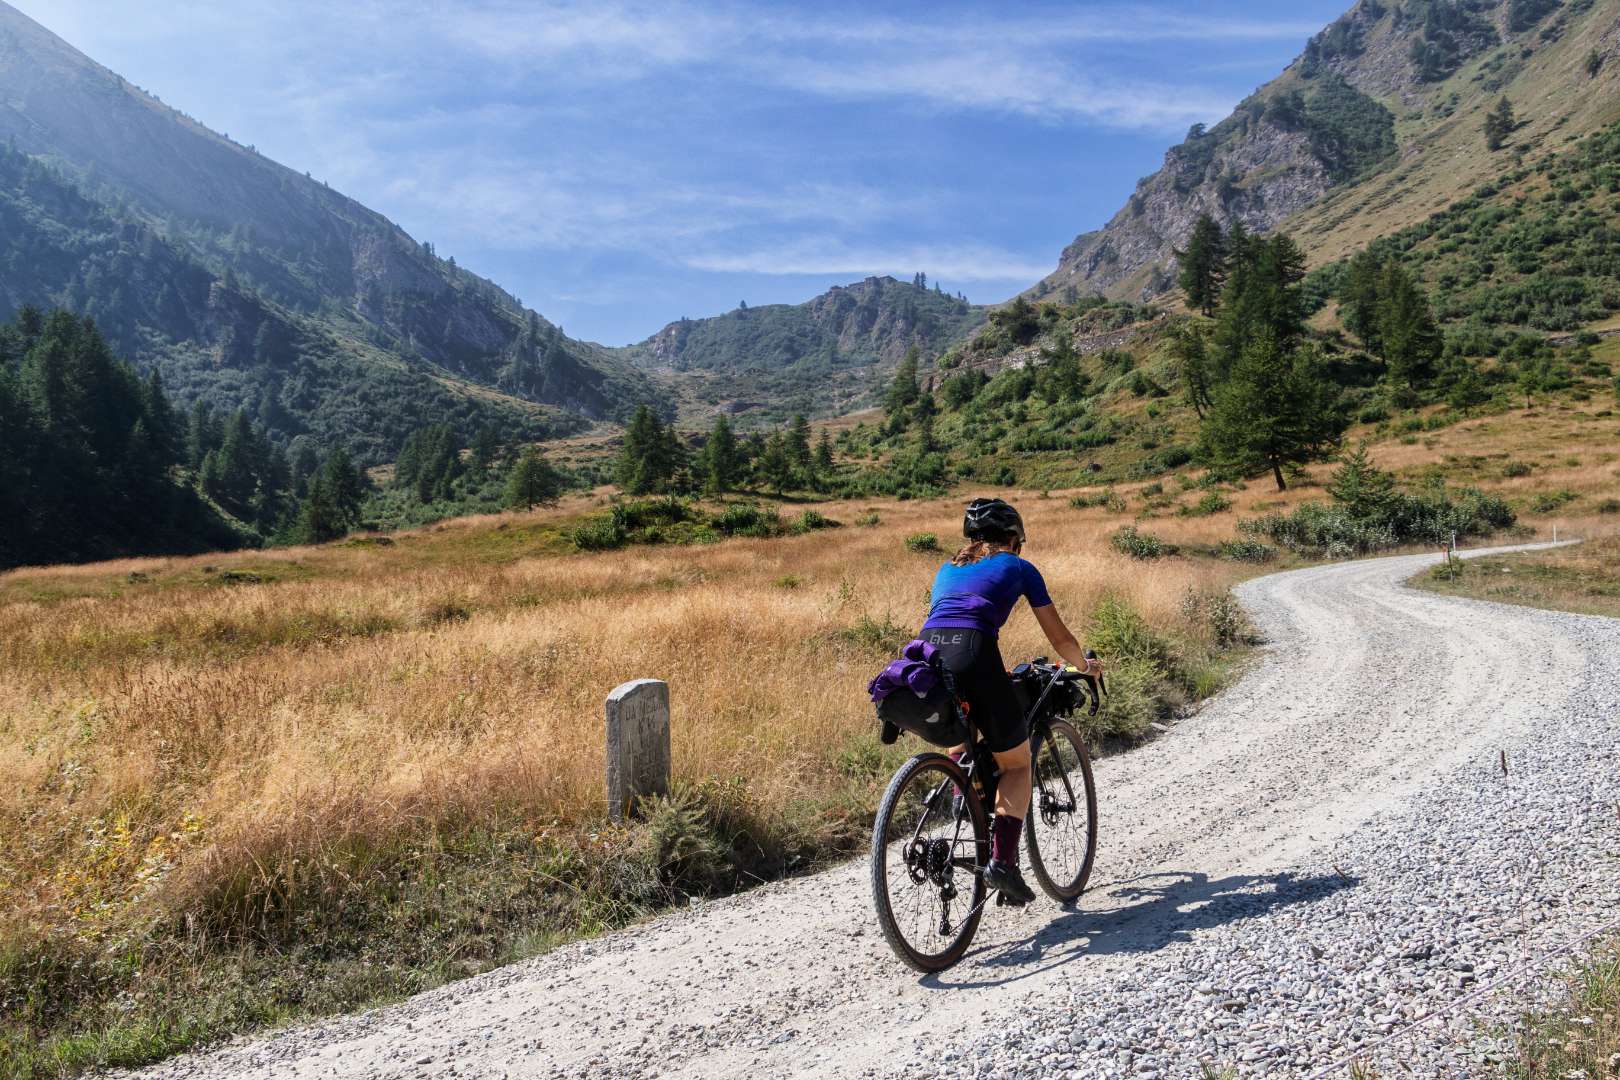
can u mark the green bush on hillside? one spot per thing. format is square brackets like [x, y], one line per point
[1429, 517]
[1128, 540]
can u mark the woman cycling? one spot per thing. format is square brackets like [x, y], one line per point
[973, 595]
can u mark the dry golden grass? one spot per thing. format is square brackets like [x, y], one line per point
[223, 729]
[196, 748]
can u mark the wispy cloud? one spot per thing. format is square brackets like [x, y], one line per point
[1032, 66]
[613, 204]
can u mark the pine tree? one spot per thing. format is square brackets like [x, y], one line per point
[1203, 265]
[163, 427]
[531, 482]
[1274, 409]
[1363, 489]
[1192, 363]
[304, 462]
[925, 412]
[1261, 300]
[798, 444]
[1408, 338]
[204, 432]
[1359, 298]
[720, 463]
[651, 457]
[903, 391]
[1499, 124]
[335, 497]
[776, 464]
[824, 458]
[486, 447]
[1465, 389]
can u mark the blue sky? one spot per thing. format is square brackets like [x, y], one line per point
[620, 165]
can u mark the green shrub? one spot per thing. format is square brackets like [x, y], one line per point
[1109, 498]
[868, 519]
[746, 519]
[680, 845]
[1249, 551]
[811, 520]
[601, 533]
[922, 542]
[1609, 506]
[1548, 501]
[1213, 502]
[1133, 702]
[1517, 468]
[1139, 545]
[1215, 615]
[883, 636]
[1429, 517]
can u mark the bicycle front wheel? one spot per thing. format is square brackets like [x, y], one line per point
[928, 843]
[1061, 830]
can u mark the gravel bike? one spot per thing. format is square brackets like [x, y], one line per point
[931, 840]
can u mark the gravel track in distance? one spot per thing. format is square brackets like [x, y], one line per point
[1328, 851]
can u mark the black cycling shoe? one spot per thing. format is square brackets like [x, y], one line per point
[1009, 882]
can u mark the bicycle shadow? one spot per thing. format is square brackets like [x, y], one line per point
[1141, 918]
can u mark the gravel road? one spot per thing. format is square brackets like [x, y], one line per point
[1326, 853]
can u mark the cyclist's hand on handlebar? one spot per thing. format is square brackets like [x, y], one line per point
[1094, 666]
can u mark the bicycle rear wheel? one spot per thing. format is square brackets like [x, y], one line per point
[927, 847]
[1061, 830]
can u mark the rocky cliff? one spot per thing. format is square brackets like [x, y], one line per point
[1368, 98]
[820, 356]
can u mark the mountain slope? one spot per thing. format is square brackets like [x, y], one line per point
[1375, 125]
[319, 261]
[821, 356]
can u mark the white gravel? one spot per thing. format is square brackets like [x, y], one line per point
[1326, 853]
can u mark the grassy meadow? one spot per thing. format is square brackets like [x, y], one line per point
[248, 787]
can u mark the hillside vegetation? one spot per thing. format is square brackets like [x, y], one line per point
[251, 286]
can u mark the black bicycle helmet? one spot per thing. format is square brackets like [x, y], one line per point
[991, 519]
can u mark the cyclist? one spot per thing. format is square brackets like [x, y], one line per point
[972, 596]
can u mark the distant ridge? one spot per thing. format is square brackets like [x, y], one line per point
[246, 282]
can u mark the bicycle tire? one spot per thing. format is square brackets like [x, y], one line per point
[1059, 882]
[913, 789]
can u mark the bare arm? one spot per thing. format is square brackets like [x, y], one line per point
[1063, 641]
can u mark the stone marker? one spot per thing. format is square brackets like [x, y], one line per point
[637, 744]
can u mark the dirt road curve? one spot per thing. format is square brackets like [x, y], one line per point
[1368, 693]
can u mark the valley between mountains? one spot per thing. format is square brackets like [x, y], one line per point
[1408, 800]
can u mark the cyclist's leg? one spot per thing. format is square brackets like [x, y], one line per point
[1016, 781]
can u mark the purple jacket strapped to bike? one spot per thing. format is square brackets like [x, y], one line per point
[916, 671]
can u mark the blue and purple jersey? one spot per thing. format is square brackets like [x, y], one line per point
[980, 596]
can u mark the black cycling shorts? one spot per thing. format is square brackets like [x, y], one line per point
[974, 661]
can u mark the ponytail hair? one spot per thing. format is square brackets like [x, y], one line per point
[982, 546]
